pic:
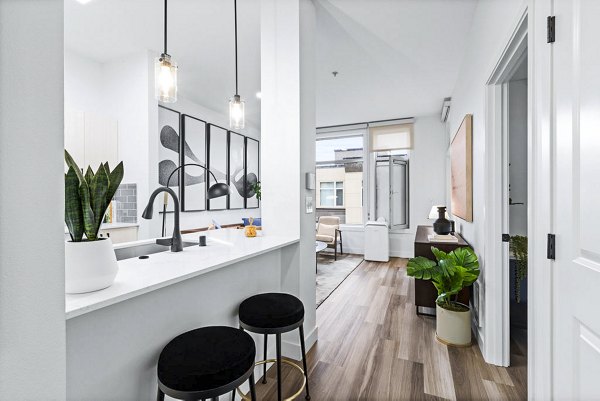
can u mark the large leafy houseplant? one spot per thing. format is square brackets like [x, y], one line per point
[87, 197]
[451, 273]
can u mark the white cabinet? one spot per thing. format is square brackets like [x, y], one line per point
[91, 139]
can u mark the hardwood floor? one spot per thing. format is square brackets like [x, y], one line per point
[372, 346]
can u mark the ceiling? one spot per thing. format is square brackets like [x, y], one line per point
[200, 39]
[395, 58]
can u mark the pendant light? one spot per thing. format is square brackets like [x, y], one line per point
[165, 73]
[237, 119]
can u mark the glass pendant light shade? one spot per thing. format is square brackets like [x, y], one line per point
[237, 118]
[165, 79]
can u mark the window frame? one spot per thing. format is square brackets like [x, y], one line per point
[368, 164]
[334, 188]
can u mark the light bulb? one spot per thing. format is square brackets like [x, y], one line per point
[237, 119]
[165, 79]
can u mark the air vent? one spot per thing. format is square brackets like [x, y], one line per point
[445, 109]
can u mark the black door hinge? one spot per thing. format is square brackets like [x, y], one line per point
[505, 237]
[551, 251]
[551, 31]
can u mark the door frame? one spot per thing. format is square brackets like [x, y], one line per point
[540, 218]
[540, 154]
[496, 275]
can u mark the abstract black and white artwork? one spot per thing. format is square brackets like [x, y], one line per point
[168, 148]
[252, 171]
[217, 162]
[236, 171]
[193, 191]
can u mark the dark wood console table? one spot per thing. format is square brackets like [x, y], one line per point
[425, 292]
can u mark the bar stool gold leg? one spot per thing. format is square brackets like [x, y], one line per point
[286, 362]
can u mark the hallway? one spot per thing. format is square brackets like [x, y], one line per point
[372, 346]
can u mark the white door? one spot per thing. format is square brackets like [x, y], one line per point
[398, 195]
[576, 188]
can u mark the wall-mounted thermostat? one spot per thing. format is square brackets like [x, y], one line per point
[310, 180]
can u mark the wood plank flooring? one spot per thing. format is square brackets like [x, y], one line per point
[372, 346]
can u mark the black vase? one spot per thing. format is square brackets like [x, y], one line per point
[442, 225]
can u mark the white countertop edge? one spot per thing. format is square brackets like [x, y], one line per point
[132, 294]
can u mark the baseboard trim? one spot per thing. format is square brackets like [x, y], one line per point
[393, 254]
[292, 349]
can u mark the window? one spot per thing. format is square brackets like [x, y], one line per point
[362, 172]
[339, 175]
[331, 193]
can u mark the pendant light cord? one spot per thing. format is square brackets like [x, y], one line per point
[236, 45]
[165, 25]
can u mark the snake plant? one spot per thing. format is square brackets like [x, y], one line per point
[452, 272]
[87, 197]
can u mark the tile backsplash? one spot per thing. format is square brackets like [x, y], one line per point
[126, 203]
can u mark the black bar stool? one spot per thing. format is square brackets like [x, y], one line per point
[275, 313]
[206, 363]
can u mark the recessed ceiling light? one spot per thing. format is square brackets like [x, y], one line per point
[83, 1]
[258, 95]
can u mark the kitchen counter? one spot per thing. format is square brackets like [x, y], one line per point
[141, 276]
[115, 335]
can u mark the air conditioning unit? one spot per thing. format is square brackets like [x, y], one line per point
[445, 109]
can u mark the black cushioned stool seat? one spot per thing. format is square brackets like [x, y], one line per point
[275, 313]
[205, 363]
[271, 310]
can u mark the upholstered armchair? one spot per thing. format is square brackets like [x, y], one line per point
[328, 231]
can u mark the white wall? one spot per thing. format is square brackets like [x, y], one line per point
[493, 22]
[84, 84]
[517, 111]
[427, 175]
[32, 305]
[126, 96]
[124, 90]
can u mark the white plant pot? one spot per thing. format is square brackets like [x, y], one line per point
[89, 266]
[453, 328]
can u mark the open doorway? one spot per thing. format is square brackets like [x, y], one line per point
[516, 89]
[507, 176]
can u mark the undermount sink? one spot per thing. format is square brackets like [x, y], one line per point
[145, 249]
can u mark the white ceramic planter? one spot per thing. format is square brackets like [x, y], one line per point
[89, 266]
[453, 328]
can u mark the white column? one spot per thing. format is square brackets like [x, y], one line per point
[280, 116]
[288, 145]
[32, 310]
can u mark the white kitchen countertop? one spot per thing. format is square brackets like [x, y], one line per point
[141, 276]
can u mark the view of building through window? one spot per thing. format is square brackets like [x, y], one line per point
[331, 193]
[339, 176]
